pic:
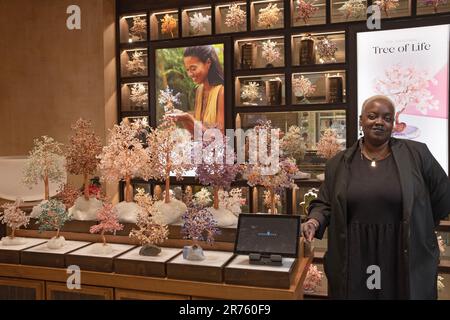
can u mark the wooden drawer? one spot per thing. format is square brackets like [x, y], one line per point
[122, 294]
[21, 289]
[59, 291]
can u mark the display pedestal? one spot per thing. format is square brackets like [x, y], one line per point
[151, 266]
[11, 254]
[208, 270]
[86, 259]
[240, 271]
[42, 255]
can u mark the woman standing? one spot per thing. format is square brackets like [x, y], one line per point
[381, 199]
[203, 67]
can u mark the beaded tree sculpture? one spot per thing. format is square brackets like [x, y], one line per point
[82, 152]
[67, 194]
[53, 217]
[235, 17]
[43, 164]
[150, 231]
[108, 222]
[273, 172]
[14, 218]
[125, 157]
[306, 10]
[218, 170]
[198, 225]
[269, 16]
[328, 145]
[168, 24]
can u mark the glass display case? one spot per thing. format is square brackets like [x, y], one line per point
[164, 24]
[261, 200]
[231, 17]
[134, 96]
[319, 87]
[308, 12]
[318, 48]
[267, 14]
[133, 28]
[265, 90]
[196, 21]
[180, 191]
[312, 125]
[393, 8]
[432, 6]
[259, 53]
[348, 10]
[134, 62]
[137, 185]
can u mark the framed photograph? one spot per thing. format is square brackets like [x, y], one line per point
[195, 74]
[411, 67]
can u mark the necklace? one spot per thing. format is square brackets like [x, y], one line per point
[374, 159]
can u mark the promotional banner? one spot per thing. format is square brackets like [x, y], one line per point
[410, 66]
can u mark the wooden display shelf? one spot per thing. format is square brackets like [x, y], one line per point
[164, 285]
[123, 239]
[41, 255]
[150, 266]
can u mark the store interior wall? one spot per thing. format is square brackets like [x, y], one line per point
[50, 75]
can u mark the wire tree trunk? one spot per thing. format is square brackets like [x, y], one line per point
[103, 237]
[46, 187]
[272, 201]
[86, 187]
[128, 189]
[216, 198]
[167, 195]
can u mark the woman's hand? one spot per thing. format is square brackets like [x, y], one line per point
[309, 229]
[184, 118]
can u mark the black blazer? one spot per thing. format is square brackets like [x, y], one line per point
[425, 199]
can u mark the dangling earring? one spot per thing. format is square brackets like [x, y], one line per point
[360, 131]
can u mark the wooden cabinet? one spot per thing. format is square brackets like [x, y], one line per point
[121, 294]
[59, 291]
[21, 289]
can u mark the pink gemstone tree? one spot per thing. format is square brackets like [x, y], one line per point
[434, 3]
[125, 157]
[82, 151]
[328, 145]
[108, 221]
[44, 164]
[13, 217]
[274, 173]
[407, 86]
[306, 10]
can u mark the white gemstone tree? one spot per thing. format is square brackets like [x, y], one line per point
[169, 150]
[45, 164]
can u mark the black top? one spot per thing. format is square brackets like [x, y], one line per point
[374, 208]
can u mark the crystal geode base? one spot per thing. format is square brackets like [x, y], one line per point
[193, 253]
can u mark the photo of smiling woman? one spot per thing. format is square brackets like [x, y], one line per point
[198, 76]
